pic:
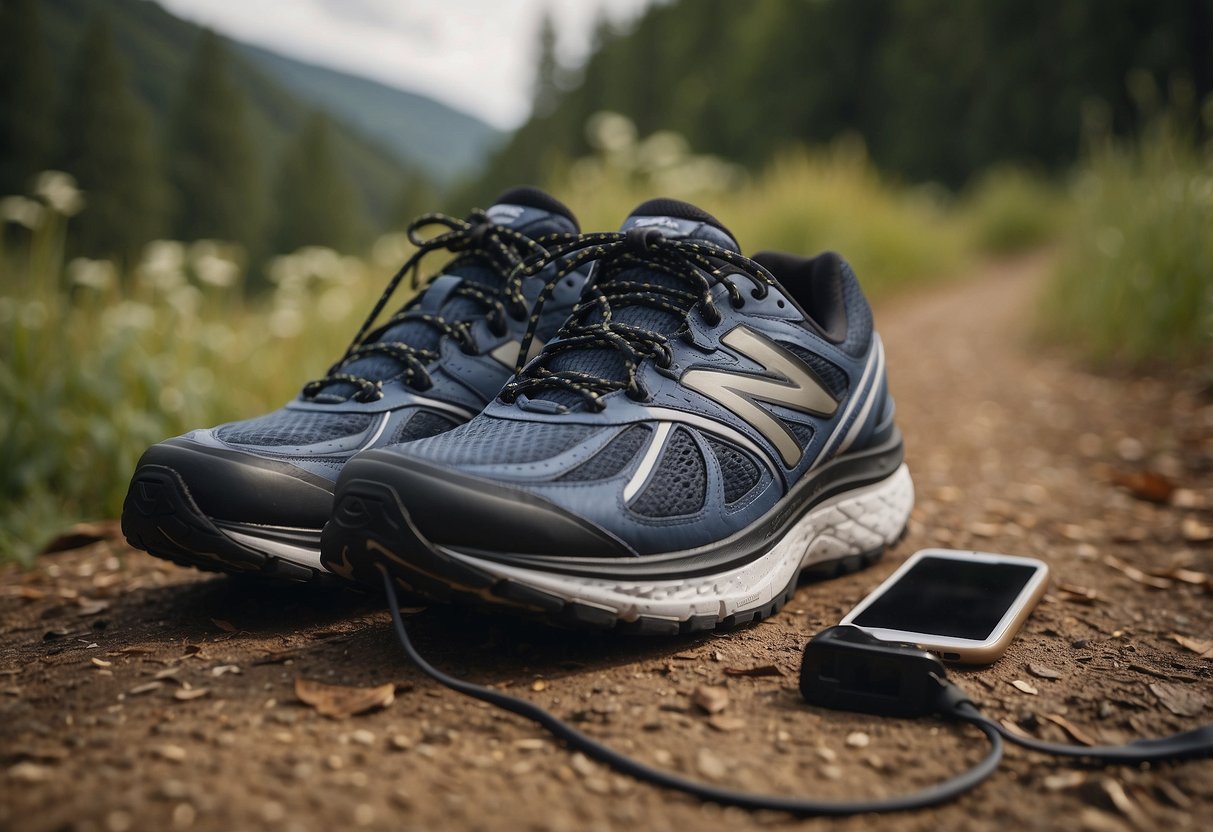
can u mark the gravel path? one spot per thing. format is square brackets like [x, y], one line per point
[136, 695]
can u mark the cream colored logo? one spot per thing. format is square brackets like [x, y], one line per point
[790, 384]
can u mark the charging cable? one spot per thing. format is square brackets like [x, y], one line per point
[844, 668]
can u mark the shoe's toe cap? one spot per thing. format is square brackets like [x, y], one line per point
[243, 488]
[451, 508]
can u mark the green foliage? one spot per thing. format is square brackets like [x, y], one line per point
[315, 203]
[95, 366]
[212, 166]
[1010, 210]
[804, 202]
[27, 96]
[107, 145]
[1133, 288]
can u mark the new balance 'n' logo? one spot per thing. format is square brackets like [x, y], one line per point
[790, 384]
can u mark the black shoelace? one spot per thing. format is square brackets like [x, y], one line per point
[698, 266]
[475, 240]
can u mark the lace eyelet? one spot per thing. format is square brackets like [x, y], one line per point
[737, 303]
[760, 295]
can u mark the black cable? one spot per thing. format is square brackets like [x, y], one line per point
[939, 793]
[1189, 745]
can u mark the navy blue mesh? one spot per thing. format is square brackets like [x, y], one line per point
[804, 433]
[421, 424]
[488, 441]
[859, 314]
[679, 484]
[738, 470]
[613, 458]
[832, 376]
[293, 427]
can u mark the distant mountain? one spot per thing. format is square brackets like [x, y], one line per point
[443, 142]
[379, 160]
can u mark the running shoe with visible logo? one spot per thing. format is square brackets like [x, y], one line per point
[251, 497]
[705, 430]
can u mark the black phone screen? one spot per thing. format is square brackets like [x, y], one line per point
[945, 597]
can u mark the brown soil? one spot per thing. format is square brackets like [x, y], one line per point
[1011, 450]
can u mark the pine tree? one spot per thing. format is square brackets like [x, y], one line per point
[316, 205]
[548, 72]
[212, 164]
[107, 146]
[27, 96]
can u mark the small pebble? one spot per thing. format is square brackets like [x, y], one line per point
[858, 739]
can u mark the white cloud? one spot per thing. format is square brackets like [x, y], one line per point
[476, 55]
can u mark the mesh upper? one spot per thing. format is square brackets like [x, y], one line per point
[738, 471]
[832, 376]
[803, 432]
[421, 424]
[612, 459]
[293, 427]
[680, 483]
[859, 314]
[485, 441]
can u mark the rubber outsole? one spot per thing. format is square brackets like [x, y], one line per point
[160, 517]
[370, 531]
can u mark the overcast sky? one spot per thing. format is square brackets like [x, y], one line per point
[475, 55]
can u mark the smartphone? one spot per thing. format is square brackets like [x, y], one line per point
[964, 606]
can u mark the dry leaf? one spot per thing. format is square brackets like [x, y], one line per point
[1077, 594]
[91, 606]
[1150, 486]
[145, 688]
[1187, 576]
[339, 701]
[1065, 780]
[761, 670]
[1204, 649]
[1073, 731]
[710, 699]
[1135, 574]
[1024, 687]
[226, 626]
[1042, 672]
[1181, 700]
[185, 695]
[725, 724]
[1124, 804]
[1195, 531]
[83, 534]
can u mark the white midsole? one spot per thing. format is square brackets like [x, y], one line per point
[852, 523]
[276, 548]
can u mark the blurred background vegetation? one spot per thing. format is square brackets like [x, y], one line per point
[191, 227]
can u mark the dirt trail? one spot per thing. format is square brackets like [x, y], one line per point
[1010, 451]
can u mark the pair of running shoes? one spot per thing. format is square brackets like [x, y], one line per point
[642, 430]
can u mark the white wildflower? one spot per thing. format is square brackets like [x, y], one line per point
[59, 191]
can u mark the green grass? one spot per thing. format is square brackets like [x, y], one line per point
[1009, 210]
[1134, 285]
[805, 202]
[95, 366]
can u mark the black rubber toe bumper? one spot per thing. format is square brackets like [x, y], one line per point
[243, 488]
[183, 497]
[450, 508]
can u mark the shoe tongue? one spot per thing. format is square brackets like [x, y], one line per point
[680, 220]
[674, 219]
[526, 210]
